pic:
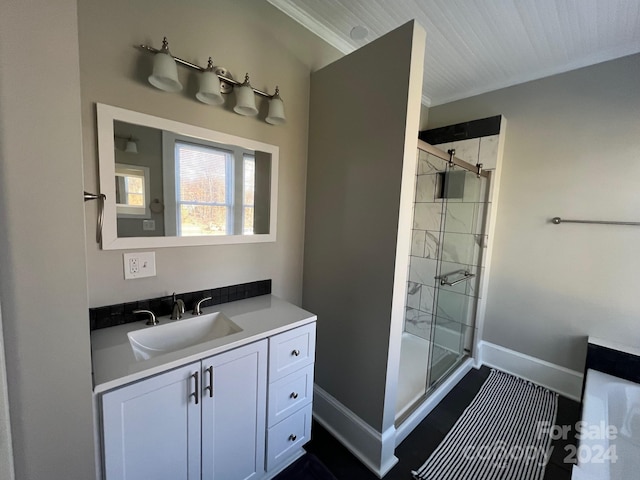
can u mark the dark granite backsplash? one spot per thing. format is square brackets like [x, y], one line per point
[120, 313]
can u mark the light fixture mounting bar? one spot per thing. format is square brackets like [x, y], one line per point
[198, 68]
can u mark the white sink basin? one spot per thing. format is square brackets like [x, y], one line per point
[153, 341]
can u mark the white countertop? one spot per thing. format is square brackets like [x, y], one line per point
[114, 363]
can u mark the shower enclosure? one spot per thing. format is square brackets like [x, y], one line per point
[445, 270]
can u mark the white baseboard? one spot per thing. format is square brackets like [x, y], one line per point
[412, 421]
[374, 449]
[554, 377]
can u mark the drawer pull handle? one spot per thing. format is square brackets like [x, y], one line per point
[293, 395]
[292, 437]
[295, 353]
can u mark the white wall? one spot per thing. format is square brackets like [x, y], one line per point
[572, 150]
[42, 247]
[424, 117]
[244, 36]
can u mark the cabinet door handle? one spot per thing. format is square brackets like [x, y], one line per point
[196, 394]
[293, 395]
[210, 386]
[292, 437]
[295, 353]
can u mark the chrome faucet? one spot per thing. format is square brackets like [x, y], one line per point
[151, 320]
[196, 308]
[178, 308]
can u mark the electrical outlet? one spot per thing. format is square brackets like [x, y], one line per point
[133, 265]
[139, 265]
[149, 225]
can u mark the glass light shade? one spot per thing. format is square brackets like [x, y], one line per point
[245, 101]
[209, 92]
[276, 111]
[165, 73]
[131, 147]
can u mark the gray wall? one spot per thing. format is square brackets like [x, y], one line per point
[358, 128]
[244, 36]
[572, 150]
[149, 141]
[44, 120]
[43, 285]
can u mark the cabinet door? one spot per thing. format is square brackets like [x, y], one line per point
[234, 413]
[152, 428]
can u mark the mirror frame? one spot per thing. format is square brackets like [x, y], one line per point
[106, 114]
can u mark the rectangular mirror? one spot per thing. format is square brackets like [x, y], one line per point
[170, 184]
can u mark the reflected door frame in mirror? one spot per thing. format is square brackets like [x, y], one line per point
[107, 115]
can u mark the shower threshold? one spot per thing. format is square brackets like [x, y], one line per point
[432, 389]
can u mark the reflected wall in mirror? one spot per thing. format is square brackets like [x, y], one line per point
[182, 185]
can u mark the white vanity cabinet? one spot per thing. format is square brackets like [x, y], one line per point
[151, 429]
[233, 413]
[242, 414]
[291, 359]
[204, 420]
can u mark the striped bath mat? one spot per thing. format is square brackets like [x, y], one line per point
[503, 434]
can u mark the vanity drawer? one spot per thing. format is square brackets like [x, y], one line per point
[289, 394]
[288, 436]
[290, 351]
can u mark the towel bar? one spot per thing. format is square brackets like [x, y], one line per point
[558, 221]
[444, 279]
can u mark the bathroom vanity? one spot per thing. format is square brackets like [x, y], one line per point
[225, 395]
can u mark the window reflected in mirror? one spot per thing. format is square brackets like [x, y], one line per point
[132, 190]
[207, 194]
[199, 187]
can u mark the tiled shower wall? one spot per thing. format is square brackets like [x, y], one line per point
[458, 241]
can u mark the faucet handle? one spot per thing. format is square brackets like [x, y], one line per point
[177, 309]
[152, 320]
[196, 308]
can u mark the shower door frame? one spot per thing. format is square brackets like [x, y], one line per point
[488, 174]
[435, 151]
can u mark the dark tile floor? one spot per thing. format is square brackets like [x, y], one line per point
[413, 452]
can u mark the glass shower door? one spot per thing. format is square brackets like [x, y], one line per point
[463, 241]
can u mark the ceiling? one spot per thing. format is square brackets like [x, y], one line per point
[476, 46]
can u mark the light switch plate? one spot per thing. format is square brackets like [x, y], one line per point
[139, 265]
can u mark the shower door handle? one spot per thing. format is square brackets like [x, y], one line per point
[444, 280]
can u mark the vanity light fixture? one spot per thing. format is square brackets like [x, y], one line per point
[209, 92]
[131, 144]
[276, 109]
[165, 70]
[245, 101]
[165, 77]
